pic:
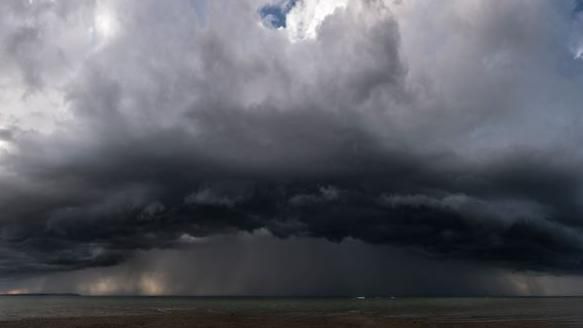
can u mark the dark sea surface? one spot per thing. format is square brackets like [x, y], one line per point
[567, 310]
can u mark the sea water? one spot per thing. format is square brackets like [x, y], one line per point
[567, 309]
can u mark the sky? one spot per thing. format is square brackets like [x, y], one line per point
[291, 147]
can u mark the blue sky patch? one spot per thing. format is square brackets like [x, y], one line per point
[275, 14]
[578, 6]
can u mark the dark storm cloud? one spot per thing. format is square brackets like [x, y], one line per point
[180, 130]
[380, 203]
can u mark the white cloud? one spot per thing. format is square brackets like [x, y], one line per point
[306, 17]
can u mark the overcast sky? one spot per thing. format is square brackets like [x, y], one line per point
[313, 147]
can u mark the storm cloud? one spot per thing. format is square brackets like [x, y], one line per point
[450, 129]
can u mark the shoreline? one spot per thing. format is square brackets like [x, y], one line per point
[237, 320]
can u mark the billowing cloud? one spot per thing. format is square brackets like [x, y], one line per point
[446, 128]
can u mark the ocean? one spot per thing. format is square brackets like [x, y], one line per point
[568, 310]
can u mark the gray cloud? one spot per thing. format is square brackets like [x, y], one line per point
[450, 129]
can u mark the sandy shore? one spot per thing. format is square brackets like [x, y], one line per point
[211, 320]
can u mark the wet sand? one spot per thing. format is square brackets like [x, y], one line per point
[222, 320]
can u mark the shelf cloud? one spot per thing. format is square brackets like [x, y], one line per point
[451, 129]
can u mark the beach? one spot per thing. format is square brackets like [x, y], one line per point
[237, 320]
